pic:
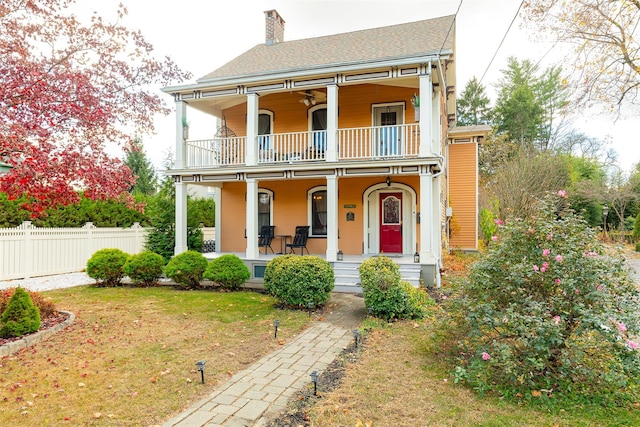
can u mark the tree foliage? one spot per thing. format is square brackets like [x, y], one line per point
[141, 168]
[68, 90]
[604, 36]
[473, 105]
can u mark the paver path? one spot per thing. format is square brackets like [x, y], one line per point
[261, 391]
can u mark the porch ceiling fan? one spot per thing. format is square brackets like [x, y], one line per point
[312, 97]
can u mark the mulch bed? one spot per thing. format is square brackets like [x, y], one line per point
[46, 323]
[300, 403]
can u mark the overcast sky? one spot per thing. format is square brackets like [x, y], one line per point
[201, 35]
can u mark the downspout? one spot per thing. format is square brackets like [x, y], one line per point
[438, 260]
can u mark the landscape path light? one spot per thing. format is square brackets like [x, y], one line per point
[276, 323]
[314, 380]
[200, 364]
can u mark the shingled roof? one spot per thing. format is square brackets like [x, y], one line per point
[378, 44]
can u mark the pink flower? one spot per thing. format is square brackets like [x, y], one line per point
[487, 356]
[550, 236]
[545, 265]
[562, 193]
[632, 345]
[591, 254]
[622, 327]
[535, 267]
[556, 320]
[498, 221]
[577, 291]
[494, 238]
[599, 287]
[557, 281]
[546, 252]
[559, 258]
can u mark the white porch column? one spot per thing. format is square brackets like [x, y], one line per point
[252, 218]
[426, 215]
[251, 152]
[332, 218]
[332, 123]
[436, 129]
[217, 199]
[426, 115]
[181, 118]
[181, 218]
[436, 214]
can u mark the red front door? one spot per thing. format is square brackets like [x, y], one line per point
[391, 222]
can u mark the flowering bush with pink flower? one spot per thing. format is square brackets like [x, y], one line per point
[549, 309]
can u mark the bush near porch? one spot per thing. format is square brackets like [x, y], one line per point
[387, 296]
[298, 281]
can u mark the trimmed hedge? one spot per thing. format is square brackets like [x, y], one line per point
[297, 281]
[187, 268]
[144, 268]
[21, 317]
[387, 295]
[227, 270]
[105, 266]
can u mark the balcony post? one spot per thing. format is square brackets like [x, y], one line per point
[252, 218]
[252, 130]
[426, 118]
[181, 120]
[332, 124]
[181, 217]
[332, 218]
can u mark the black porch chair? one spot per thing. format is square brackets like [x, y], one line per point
[300, 239]
[265, 237]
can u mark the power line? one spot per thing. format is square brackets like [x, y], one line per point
[451, 26]
[502, 41]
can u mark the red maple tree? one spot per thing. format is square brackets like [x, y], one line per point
[69, 93]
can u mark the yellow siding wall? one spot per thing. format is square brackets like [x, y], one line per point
[354, 108]
[290, 208]
[462, 194]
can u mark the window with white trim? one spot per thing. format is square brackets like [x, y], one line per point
[265, 208]
[317, 210]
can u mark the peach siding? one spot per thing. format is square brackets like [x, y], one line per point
[354, 104]
[462, 194]
[290, 208]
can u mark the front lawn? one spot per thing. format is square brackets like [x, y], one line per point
[130, 357]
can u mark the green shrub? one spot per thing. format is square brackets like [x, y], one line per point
[186, 268]
[297, 280]
[144, 268]
[386, 295]
[227, 270]
[637, 246]
[45, 306]
[548, 309]
[105, 266]
[20, 317]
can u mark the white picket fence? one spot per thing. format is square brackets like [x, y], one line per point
[28, 251]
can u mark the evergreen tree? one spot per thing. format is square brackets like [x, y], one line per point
[473, 105]
[142, 169]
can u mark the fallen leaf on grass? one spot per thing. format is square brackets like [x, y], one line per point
[536, 393]
[97, 415]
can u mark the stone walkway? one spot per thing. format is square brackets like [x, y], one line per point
[260, 392]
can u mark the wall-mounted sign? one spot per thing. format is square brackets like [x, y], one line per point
[351, 216]
[349, 206]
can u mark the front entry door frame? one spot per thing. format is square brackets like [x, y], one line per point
[371, 198]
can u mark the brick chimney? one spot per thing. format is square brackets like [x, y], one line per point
[274, 27]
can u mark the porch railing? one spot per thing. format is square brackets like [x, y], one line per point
[292, 147]
[206, 153]
[377, 142]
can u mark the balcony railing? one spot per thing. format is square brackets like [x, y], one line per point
[377, 142]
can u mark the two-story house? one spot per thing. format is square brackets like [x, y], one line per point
[346, 136]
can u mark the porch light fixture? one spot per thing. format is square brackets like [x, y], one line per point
[276, 323]
[339, 256]
[416, 257]
[388, 182]
[200, 364]
[356, 333]
[314, 380]
[306, 102]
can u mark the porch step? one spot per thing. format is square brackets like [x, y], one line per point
[347, 277]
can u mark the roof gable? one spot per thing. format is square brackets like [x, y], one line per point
[385, 43]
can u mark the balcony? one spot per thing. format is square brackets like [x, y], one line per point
[353, 144]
